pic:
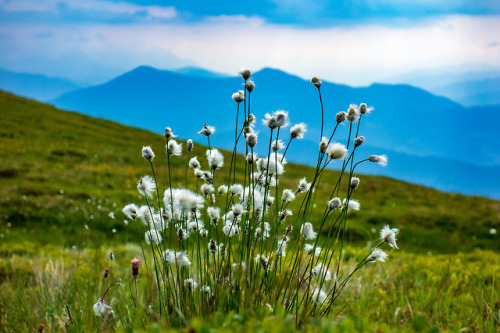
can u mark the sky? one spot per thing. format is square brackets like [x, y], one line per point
[344, 41]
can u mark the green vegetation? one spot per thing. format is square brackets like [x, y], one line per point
[60, 171]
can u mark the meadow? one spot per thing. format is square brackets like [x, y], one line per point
[65, 178]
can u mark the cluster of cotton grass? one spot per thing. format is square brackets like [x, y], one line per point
[223, 245]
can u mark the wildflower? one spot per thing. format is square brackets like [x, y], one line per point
[359, 141]
[193, 163]
[231, 228]
[215, 159]
[322, 272]
[153, 236]
[206, 289]
[245, 73]
[113, 230]
[270, 121]
[263, 260]
[351, 205]
[111, 256]
[341, 117]
[364, 109]
[303, 186]
[282, 246]
[183, 199]
[236, 266]
[318, 295]
[168, 133]
[336, 151]
[310, 249]
[354, 183]
[207, 130]
[377, 255]
[148, 153]
[101, 308]
[251, 140]
[281, 117]
[251, 157]
[106, 272]
[207, 189]
[284, 214]
[323, 145]
[250, 85]
[239, 96]
[190, 284]
[182, 234]
[203, 233]
[146, 186]
[200, 174]
[352, 113]
[269, 200]
[135, 267]
[195, 225]
[307, 231]
[316, 81]
[389, 235]
[297, 131]
[334, 203]
[236, 189]
[493, 231]
[190, 145]
[222, 190]
[41, 327]
[213, 214]
[237, 210]
[277, 145]
[130, 211]
[380, 159]
[111, 215]
[178, 258]
[212, 247]
[289, 228]
[264, 234]
[287, 196]
[174, 148]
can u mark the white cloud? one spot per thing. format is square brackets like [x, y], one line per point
[102, 6]
[355, 55]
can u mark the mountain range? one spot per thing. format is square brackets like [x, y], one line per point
[431, 140]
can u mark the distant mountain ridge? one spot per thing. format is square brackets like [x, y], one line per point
[407, 120]
[39, 87]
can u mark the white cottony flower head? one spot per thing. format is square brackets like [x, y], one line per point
[287, 196]
[282, 246]
[377, 255]
[146, 186]
[207, 189]
[318, 296]
[310, 249]
[183, 199]
[277, 145]
[215, 159]
[190, 285]
[298, 130]
[323, 145]
[195, 225]
[153, 236]
[206, 289]
[194, 163]
[352, 113]
[189, 145]
[307, 231]
[236, 189]
[231, 228]
[380, 159]
[250, 85]
[334, 203]
[174, 148]
[178, 258]
[245, 73]
[341, 117]
[213, 213]
[388, 235]
[251, 158]
[266, 233]
[207, 130]
[145, 213]
[148, 153]
[364, 109]
[303, 186]
[354, 182]
[222, 189]
[322, 272]
[336, 151]
[359, 141]
[251, 139]
[130, 211]
[352, 205]
[237, 209]
[168, 133]
[101, 308]
[281, 117]
[239, 96]
[270, 121]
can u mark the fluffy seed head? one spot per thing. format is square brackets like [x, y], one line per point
[251, 158]
[270, 121]
[388, 235]
[380, 159]
[236, 189]
[190, 145]
[323, 145]
[377, 255]
[336, 151]
[281, 118]
[341, 117]
[148, 153]
[334, 203]
[153, 236]
[359, 141]
[310, 249]
[222, 189]
[303, 186]
[297, 131]
[277, 145]
[251, 140]
[307, 231]
[239, 96]
[352, 205]
[168, 133]
[193, 163]
[174, 148]
[364, 109]
[245, 73]
[146, 186]
[213, 214]
[250, 85]
[352, 113]
[215, 159]
[207, 189]
[354, 183]
[318, 296]
[322, 272]
[130, 211]
[190, 285]
[207, 130]
[287, 196]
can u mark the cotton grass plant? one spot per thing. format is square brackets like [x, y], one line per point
[220, 245]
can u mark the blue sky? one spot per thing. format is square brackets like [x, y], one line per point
[355, 42]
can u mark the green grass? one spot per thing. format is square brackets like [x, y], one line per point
[61, 170]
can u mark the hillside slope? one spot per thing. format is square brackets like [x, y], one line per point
[61, 170]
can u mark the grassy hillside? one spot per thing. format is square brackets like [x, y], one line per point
[62, 170]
